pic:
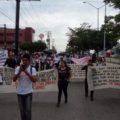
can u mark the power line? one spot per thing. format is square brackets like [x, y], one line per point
[35, 15]
[6, 16]
[27, 13]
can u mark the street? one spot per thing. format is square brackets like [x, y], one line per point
[104, 107]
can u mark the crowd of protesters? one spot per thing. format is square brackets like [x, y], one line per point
[26, 67]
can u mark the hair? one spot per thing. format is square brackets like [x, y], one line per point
[66, 65]
[26, 55]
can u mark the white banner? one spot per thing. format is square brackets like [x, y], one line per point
[100, 77]
[46, 80]
[76, 71]
[3, 56]
[81, 61]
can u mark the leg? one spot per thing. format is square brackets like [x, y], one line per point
[59, 92]
[28, 104]
[21, 106]
[65, 91]
[86, 88]
[92, 95]
[41, 66]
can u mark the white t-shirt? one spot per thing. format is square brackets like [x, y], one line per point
[24, 83]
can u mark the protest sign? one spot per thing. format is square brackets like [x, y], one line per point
[3, 56]
[81, 61]
[100, 77]
[76, 71]
[47, 80]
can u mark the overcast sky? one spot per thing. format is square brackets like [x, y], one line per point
[54, 16]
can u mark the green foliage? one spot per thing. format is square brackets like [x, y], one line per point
[33, 47]
[115, 3]
[117, 18]
[84, 38]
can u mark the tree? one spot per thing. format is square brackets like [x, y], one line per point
[115, 3]
[34, 47]
[84, 38]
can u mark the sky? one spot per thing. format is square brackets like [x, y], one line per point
[55, 16]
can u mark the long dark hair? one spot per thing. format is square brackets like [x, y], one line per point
[67, 67]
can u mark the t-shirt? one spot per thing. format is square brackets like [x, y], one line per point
[11, 63]
[24, 83]
[63, 74]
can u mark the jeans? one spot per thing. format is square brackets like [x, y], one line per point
[25, 103]
[62, 86]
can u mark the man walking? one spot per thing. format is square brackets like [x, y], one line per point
[25, 75]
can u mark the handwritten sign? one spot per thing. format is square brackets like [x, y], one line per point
[100, 77]
[46, 80]
[76, 71]
[3, 56]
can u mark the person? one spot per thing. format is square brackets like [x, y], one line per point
[64, 75]
[25, 75]
[10, 61]
[86, 82]
[42, 62]
[68, 59]
[94, 58]
[37, 62]
[60, 61]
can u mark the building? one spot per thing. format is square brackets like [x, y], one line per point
[7, 36]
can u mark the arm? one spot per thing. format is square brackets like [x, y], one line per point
[70, 74]
[6, 62]
[84, 67]
[17, 74]
[32, 77]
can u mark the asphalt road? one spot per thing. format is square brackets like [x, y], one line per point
[106, 105]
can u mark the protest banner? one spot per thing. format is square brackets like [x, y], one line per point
[100, 77]
[81, 61]
[76, 72]
[3, 56]
[47, 80]
[1, 74]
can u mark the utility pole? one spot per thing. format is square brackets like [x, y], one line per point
[98, 9]
[5, 41]
[48, 39]
[17, 26]
[17, 23]
[104, 43]
[53, 44]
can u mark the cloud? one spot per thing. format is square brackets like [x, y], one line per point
[55, 16]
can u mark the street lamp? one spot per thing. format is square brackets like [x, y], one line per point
[104, 43]
[97, 8]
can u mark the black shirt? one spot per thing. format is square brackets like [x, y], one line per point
[10, 63]
[63, 74]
